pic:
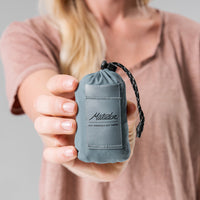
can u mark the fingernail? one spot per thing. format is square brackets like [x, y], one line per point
[69, 152]
[68, 107]
[66, 125]
[68, 83]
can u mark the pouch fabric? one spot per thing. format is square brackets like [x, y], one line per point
[102, 129]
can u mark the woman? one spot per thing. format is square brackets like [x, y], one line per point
[48, 55]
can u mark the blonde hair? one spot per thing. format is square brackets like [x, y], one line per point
[82, 43]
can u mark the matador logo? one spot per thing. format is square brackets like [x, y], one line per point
[104, 116]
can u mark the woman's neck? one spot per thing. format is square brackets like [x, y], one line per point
[111, 12]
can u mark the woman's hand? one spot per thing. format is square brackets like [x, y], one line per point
[56, 126]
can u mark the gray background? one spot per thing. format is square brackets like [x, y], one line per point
[20, 146]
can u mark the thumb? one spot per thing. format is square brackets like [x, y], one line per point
[131, 109]
[131, 117]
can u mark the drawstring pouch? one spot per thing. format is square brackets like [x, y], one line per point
[102, 128]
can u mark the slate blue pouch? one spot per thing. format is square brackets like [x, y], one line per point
[102, 128]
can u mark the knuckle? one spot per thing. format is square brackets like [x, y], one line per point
[58, 104]
[48, 155]
[53, 155]
[50, 82]
[37, 123]
[41, 124]
[57, 82]
[37, 101]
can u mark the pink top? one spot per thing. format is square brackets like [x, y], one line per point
[166, 160]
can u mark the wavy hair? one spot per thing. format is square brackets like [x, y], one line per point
[82, 43]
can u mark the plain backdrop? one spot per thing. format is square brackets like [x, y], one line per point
[20, 146]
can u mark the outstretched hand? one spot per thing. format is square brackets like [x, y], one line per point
[56, 126]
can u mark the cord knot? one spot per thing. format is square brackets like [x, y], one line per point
[110, 66]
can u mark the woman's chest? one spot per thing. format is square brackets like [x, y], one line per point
[130, 51]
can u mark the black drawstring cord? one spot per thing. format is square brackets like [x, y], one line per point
[113, 66]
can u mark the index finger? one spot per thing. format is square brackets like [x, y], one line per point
[62, 83]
